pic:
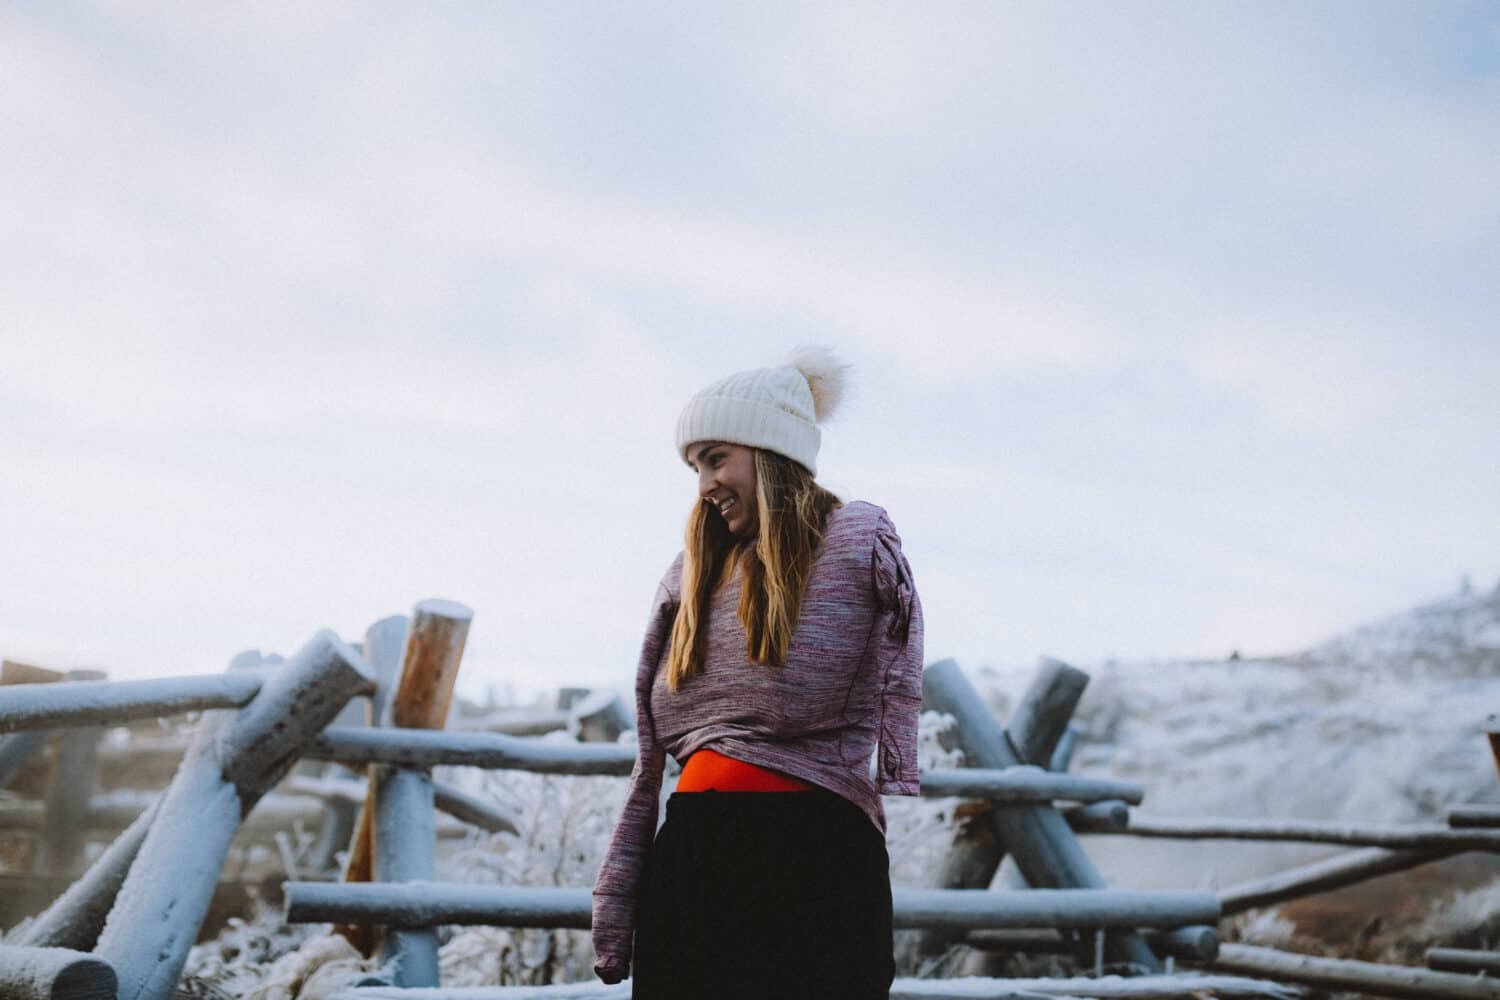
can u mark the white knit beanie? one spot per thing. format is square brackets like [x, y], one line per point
[777, 408]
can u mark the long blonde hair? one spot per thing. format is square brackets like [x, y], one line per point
[793, 512]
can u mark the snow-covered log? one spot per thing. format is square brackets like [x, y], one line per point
[1468, 960]
[384, 648]
[75, 918]
[81, 703]
[1347, 975]
[1391, 837]
[422, 904]
[405, 842]
[234, 758]
[1044, 847]
[495, 751]
[1025, 783]
[54, 974]
[1041, 718]
[1180, 987]
[1344, 869]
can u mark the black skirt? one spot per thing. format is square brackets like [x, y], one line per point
[764, 894]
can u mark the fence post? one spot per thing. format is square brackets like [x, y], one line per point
[1044, 846]
[74, 779]
[54, 974]
[405, 841]
[433, 651]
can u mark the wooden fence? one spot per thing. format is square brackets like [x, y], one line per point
[124, 926]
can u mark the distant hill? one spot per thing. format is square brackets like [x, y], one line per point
[1380, 724]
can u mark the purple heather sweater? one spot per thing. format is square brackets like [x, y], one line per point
[852, 680]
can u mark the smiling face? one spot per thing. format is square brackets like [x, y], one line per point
[726, 479]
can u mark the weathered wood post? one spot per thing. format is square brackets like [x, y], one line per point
[234, 758]
[405, 841]
[54, 974]
[1037, 836]
[74, 779]
[1037, 725]
[434, 650]
[385, 648]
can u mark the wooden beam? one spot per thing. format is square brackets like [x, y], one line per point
[494, 751]
[1392, 837]
[1025, 783]
[97, 701]
[1344, 869]
[424, 904]
[1346, 975]
[54, 974]
[1178, 987]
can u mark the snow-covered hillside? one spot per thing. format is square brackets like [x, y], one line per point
[1379, 724]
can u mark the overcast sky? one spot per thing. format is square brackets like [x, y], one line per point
[1174, 325]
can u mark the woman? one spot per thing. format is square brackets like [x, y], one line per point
[784, 649]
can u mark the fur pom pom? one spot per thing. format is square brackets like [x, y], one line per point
[826, 375]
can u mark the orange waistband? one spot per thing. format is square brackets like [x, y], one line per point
[708, 769]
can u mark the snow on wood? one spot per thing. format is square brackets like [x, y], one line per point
[1199, 943]
[1026, 783]
[38, 706]
[1468, 817]
[118, 809]
[385, 645]
[1390, 836]
[422, 904]
[1180, 987]
[54, 974]
[1041, 718]
[494, 751]
[1043, 845]
[1357, 977]
[75, 918]
[234, 758]
[1108, 814]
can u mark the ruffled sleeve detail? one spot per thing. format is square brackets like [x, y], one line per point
[898, 645]
[614, 895]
